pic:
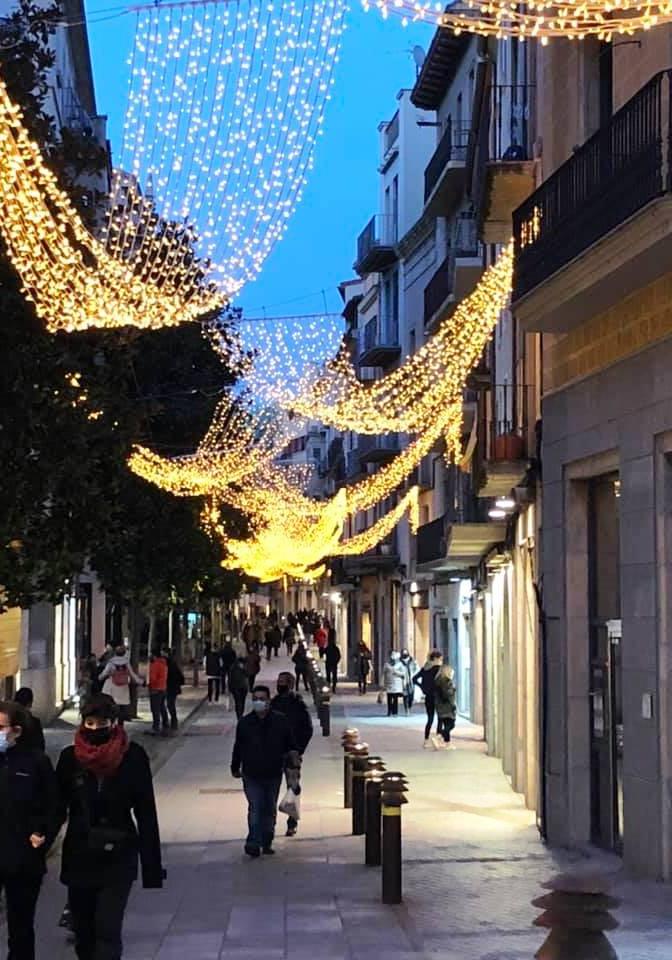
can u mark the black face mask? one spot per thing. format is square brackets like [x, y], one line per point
[282, 691]
[97, 737]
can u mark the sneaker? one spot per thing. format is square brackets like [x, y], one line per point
[428, 745]
[269, 852]
[437, 741]
[251, 850]
[291, 832]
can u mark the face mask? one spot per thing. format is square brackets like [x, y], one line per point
[5, 742]
[97, 737]
[259, 706]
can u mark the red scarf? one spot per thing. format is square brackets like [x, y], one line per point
[102, 760]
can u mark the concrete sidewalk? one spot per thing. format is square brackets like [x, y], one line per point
[473, 861]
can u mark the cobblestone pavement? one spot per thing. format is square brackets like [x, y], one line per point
[472, 862]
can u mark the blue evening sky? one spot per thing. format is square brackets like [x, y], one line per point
[318, 249]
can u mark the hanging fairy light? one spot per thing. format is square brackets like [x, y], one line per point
[65, 272]
[538, 19]
[410, 399]
[225, 103]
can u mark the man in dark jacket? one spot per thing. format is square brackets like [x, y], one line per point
[228, 658]
[332, 658]
[293, 706]
[174, 685]
[263, 742]
[28, 825]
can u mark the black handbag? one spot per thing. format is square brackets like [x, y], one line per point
[102, 839]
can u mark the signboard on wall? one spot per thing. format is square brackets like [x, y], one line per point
[10, 641]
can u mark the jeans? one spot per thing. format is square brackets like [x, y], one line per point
[213, 688]
[393, 704]
[97, 919]
[430, 707]
[332, 677]
[21, 893]
[446, 725]
[239, 701]
[171, 705]
[262, 799]
[157, 703]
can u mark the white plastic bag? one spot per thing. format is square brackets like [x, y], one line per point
[291, 804]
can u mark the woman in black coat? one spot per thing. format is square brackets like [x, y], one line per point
[107, 796]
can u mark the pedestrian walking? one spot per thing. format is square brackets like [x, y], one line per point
[321, 638]
[175, 682]
[362, 666]
[28, 826]
[426, 679]
[260, 755]
[300, 661]
[446, 705]
[158, 687]
[268, 643]
[117, 676]
[393, 683]
[332, 658]
[276, 639]
[228, 658]
[239, 685]
[32, 736]
[107, 797]
[411, 668]
[252, 667]
[212, 664]
[292, 706]
[289, 638]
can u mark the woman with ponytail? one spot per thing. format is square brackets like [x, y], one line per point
[107, 797]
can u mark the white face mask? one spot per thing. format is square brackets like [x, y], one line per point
[5, 742]
[260, 706]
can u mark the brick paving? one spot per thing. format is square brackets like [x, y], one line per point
[472, 862]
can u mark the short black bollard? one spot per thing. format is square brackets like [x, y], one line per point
[393, 790]
[577, 914]
[373, 850]
[324, 711]
[348, 740]
[360, 755]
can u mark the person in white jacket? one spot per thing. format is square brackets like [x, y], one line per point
[394, 675]
[117, 677]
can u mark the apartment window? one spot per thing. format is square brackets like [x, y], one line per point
[411, 342]
[460, 119]
[316, 453]
[395, 209]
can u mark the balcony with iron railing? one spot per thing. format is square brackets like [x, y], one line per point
[457, 274]
[381, 449]
[504, 438]
[445, 174]
[379, 342]
[503, 171]
[620, 170]
[458, 539]
[376, 245]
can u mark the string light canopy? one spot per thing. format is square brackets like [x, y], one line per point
[226, 99]
[415, 396]
[538, 19]
[65, 272]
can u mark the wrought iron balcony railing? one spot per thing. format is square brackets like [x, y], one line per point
[619, 170]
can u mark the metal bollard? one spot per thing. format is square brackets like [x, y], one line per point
[324, 711]
[577, 914]
[372, 845]
[349, 738]
[393, 790]
[360, 755]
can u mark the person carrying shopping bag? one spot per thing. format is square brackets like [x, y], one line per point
[394, 676]
[293, 707]
[117, 676]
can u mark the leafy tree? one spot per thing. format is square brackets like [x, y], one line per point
[72, 406]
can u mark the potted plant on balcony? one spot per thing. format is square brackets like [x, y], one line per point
[508, 446]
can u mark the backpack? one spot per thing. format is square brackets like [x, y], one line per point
[120, 676]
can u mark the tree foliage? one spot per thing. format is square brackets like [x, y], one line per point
[72, 406]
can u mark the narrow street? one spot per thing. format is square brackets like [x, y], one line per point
[472, 861]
